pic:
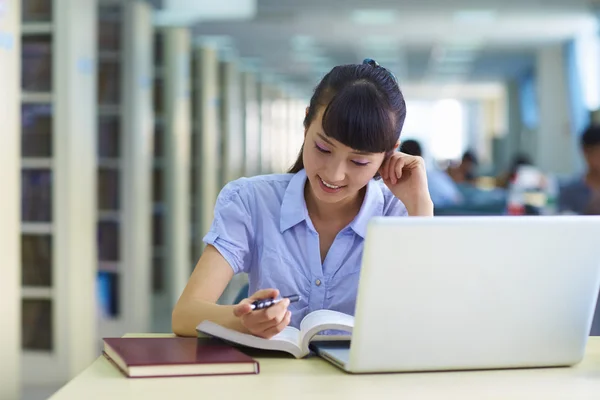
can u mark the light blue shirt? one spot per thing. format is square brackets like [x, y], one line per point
[261, 226]
[442, 189]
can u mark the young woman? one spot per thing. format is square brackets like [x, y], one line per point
[303, 232]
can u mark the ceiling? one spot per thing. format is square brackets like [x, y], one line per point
[421, 41]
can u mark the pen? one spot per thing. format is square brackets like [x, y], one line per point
[266, 303]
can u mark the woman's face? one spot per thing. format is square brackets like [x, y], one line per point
[336, 172]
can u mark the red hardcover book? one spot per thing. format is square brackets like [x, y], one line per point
[176, 356]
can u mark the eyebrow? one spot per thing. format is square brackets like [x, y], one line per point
[325, 139]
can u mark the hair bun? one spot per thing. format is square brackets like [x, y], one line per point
[371, 62]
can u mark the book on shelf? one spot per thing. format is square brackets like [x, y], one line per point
[36, 62]
[36, 195]
[36, 133]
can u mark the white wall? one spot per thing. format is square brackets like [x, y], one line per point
[555, 146]
[10, 283]
[515, 125]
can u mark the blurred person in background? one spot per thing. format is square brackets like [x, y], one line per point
[582, 195]
[504, 180]
[466, 171]
[442, 188]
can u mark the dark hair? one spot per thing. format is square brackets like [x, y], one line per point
[412, 148]
[519, 160]
[469, 156]
[591, 136]
[364, 108]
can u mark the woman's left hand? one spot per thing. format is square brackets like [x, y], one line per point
[406, 177]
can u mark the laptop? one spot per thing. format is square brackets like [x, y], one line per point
[467, 293]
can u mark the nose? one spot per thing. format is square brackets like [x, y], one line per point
[336, 172]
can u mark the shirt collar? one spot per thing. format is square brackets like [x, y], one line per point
[293, 206]
[372, 205]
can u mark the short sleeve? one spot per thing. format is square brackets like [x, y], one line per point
[231, 232]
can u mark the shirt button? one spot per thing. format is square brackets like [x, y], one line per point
[318, 282]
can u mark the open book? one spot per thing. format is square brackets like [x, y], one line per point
[291, 340]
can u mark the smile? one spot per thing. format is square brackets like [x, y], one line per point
[329, 185]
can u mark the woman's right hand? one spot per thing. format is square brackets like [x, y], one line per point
[264, 323]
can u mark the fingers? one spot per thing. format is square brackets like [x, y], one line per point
[277, 312]
[270, 332]
[396, 170]
[394, 167]
[241, 309]
[268, 319]
[389, 168]
[244, 308]
[383, 169]
[272, 315]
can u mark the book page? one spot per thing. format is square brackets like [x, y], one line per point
[289, 334]
[321, 320]
[323, 317]
[287, 340]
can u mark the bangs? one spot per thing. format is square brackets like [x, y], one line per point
[359, 117]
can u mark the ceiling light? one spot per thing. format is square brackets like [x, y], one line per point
[457, 58]
[378, 41]
[188, 12]
[374, 16]
[302, 41]
[475, 16]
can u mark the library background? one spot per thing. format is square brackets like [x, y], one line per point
[121, 120]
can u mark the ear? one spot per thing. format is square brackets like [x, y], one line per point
[397, 145]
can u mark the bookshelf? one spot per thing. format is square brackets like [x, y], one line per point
[232, 142]
[109, 42]
[205, 138]
[251, 124]
[124, 167]
[297, 110]
[194, 247]
[159, 286]
[172, 170]
[57, 188]
[279, 130]
[231, 116]
[293, 109]
[265, 96]
[293, 128]
[10, 143]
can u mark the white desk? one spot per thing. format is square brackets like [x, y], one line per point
[313, 378]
